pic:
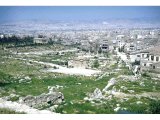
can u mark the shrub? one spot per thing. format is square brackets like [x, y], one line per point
[155, 106]
[8, 111]
[95, 64]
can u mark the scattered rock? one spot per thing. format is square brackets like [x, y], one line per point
[109, 97]
[155, 78]
[22, 81]
[111, 82]
[118, 69]
[105, 74]
[52, 89]
[53, 108]
[123, 88]
[127, 78]
[86, 99]
[117, 109]
[79, 83]
[119, 65]
[58, 86]
[71, 103]
[142, 84]
[64, 112]
[139, 102]
[92, 102]
[131, 91]
[26, 79]
[124, 108]
[96, 95]
[119, 95]
[118, 105]
[14, 95]
[125, 99]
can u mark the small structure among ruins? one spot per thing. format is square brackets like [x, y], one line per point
[79, 62]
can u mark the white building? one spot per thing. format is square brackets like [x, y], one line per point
[149, 59]
[1, 36]
[40, 40]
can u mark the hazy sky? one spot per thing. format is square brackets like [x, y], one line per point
[14, 13]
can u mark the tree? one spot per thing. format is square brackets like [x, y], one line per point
[50, 42]
[4, 78]
[95, 64]
[16, 41]
[155, 106]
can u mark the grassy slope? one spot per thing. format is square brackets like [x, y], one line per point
[73, 92]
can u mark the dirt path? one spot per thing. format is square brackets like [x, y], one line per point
[45, 52]
[22, 108]
[65, 70]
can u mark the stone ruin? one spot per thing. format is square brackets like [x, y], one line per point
[98, 94]
[111, 82]
[48, 99]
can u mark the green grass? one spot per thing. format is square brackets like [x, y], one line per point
[74, 93]
[155, 106]
[133, 107]
[8, 111]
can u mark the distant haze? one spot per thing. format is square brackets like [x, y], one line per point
[75, 13]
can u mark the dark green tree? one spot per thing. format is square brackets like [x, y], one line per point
[95, 64]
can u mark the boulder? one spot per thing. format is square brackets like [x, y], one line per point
[43, 99]
[111, 82]
[117, 109]
[52, 89]
[139, 102]
[97, 94]
[131, 91]
[123, 88]
[26, 79]
[141, 84]
[53, 108]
